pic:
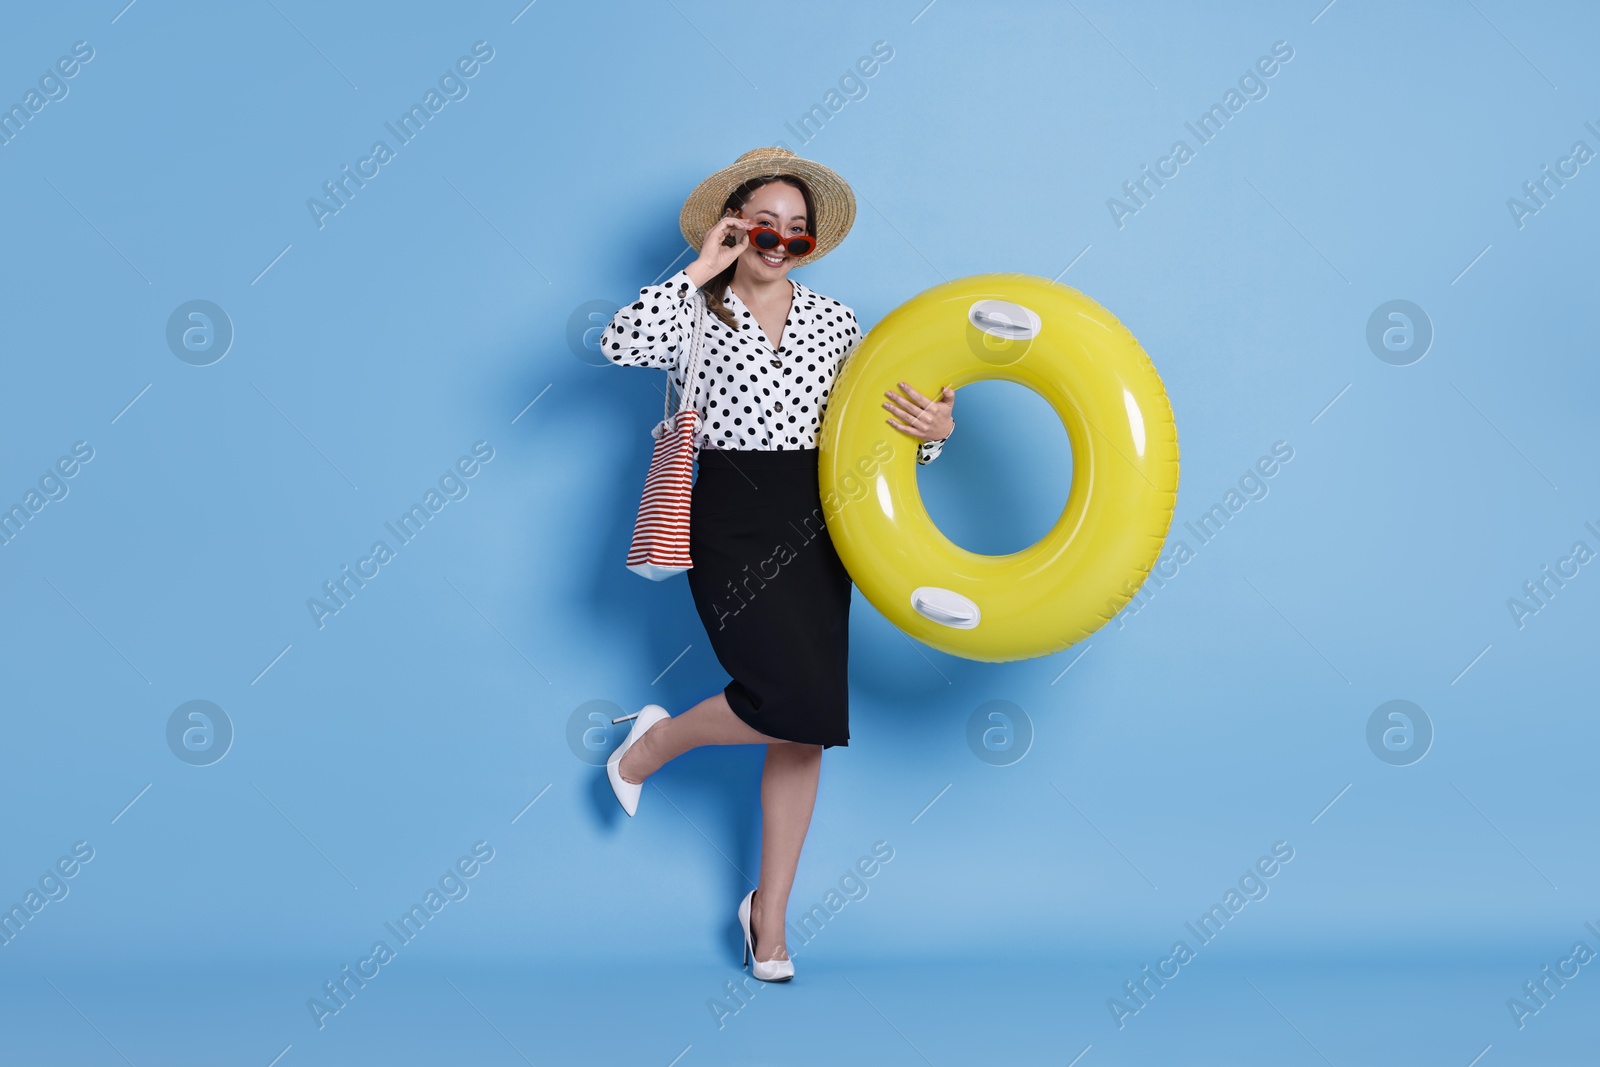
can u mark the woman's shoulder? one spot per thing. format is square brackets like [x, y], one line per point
[826, 304]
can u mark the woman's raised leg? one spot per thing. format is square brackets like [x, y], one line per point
[710, 722]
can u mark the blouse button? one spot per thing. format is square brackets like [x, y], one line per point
[777, 405]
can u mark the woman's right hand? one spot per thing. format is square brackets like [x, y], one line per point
[715, 255]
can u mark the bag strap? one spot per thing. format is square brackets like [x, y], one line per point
[694, 358]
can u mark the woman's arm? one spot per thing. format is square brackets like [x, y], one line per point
[927, 451]
[651, 331]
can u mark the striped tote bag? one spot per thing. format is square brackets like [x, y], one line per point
[660, 546]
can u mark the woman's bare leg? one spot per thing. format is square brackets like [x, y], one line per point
[788, 795]
[710, 722]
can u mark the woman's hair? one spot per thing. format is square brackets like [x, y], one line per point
[717, 287]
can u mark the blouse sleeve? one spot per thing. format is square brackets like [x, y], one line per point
[928, 451]
[651, 331]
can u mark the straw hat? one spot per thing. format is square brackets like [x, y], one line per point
[831, 197]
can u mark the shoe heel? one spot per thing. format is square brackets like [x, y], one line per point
[744, 929]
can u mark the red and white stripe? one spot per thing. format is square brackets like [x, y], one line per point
[660, 545]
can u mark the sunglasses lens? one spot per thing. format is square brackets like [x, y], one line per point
[765, 239]
[799, 246]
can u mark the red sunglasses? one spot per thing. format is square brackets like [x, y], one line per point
[766, 238]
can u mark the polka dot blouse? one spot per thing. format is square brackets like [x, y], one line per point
[748, 395]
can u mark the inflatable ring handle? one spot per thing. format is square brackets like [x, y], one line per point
[1074, 353]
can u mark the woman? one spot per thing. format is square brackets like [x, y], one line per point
[766, 581]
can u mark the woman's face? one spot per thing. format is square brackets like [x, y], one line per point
[782, 207]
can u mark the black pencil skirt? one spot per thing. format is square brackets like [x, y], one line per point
[771, 592]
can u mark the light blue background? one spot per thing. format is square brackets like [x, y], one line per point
[429, 313]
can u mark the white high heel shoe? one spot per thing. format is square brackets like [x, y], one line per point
[628, 792]
[766, 970]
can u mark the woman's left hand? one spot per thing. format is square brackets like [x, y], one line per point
[924, 419]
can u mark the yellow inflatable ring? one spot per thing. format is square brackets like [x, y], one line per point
[1090, 369]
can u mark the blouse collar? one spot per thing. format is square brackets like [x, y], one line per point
[804, 298]
[800, 310]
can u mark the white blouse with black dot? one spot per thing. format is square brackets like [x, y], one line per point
[748, 395]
